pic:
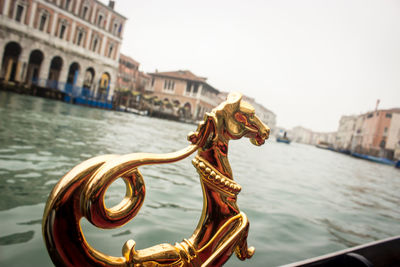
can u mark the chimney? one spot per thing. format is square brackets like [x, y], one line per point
[111, 4]
[377, 105]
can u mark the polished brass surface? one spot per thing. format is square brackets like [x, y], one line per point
[222, 228]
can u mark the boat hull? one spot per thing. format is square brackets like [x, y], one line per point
[380, 253]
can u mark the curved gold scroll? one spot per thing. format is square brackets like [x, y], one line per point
[222, 228]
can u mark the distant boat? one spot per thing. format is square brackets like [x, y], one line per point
[397, 164]
[283, 140]
[374, 159]
[324, 145]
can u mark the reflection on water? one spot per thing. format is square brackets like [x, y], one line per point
[16, 238]
[301, 201]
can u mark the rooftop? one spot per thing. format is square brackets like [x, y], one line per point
[180, 74]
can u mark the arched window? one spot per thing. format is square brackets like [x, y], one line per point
[62, 28]
[85, 10]
[110, 50]
[43, 21]
[20, 10]
[80, 36]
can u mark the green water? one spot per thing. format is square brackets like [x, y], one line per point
[301, 201]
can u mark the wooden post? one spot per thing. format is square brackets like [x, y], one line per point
[8, 70]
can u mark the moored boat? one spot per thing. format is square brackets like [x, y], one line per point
[379, 253]
[374, 159]
[282, 137]
[283, 140]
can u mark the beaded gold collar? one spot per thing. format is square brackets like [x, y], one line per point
[212, 176]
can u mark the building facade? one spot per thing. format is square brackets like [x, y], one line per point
[183, 88]
[393, 140]
[128, 73]
[302, 135]
[345, 132]
[67, 45]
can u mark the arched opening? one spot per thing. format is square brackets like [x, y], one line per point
[72, 77]
[89, 75]
[54, 71]
[104, 85]
[35, 61]
[10, 66]
[176, 103]
[73, 73]
[88, 81]
[187, 110]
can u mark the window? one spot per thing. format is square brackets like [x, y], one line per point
[79, 38]
[42, 23]
[110, 50]
[94, 45]
[370, 115]
[100, 20]
[67, 4]
[95, 42]
[19, 13]
[85, 12]
[169, 85]
[62, 31]
[388, 115]
[188, 87]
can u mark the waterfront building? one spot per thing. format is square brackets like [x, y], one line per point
[393, 139]
[300, 134]
[184, 89]
[66, 45]
[345, 132]
[375, 132]
[356, 141]
[128, 73]
[327, 138]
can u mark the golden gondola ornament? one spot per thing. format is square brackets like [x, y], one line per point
[222, 229]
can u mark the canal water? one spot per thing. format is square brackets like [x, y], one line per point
[301, 201]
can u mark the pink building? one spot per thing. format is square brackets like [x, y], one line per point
[183, 88]
[372, 133]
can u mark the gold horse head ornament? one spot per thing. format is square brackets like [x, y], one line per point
[222, 228]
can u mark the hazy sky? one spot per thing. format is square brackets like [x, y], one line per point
[308, 61]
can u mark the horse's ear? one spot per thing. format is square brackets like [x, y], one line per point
[205, 128]
[234, 99]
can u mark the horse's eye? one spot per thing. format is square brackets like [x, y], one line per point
[240, 117]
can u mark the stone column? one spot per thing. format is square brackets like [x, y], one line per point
[45, 68]
[92, 18]
[20, 74]
[62, 79]
[6, 7]
[33, 14]
[108, 21]
[103, 45]
[54, 24]
[73, 32]
[89, 38]
[81, 76]
[77, 5]
[2, 47]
